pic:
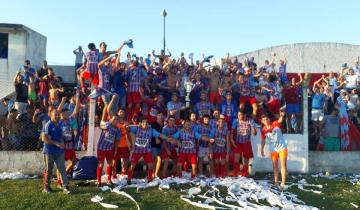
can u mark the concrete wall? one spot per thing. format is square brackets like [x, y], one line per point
[28, 162]
[308, 57]
[35, 48]
[16, 57]
[67, 73]
[341, 162]
[23, 44]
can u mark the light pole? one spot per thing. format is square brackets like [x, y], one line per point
[164, 14]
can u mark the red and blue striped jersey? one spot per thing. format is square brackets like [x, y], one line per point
[92, 61]
[188, 141]
[203, 108]
[104, 77]
[169, 131]
[108, 137]
[143, 139]
[246, 89]
[67, 127]
[213, 124]
[135, 78]
[204, 130]
[242, 130]
[219, 145]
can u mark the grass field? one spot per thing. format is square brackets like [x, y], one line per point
[26, 194]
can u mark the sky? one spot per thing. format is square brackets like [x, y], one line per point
[212, 27]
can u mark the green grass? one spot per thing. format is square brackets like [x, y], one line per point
[26, 194]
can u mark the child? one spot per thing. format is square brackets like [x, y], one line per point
[31, 90]
[54, 94]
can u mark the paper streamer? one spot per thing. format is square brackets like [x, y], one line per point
[98, 199]
[126, 195]
[204, 206]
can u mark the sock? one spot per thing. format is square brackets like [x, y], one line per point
[44, 179]
[236, 169]
[130, 174]
[192, 174]
[244, 170]
[109, 172]
[58, 182]
[185, 166]
[217, 169]
[223, 170]
[150, 175]
[98, 174]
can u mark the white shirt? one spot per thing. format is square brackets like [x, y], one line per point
[79, 57]
[351, 81]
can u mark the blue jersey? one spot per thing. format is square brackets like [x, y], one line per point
[220, 137]
[108, 137]
[188, 141]
[143, 139]
[54, 132]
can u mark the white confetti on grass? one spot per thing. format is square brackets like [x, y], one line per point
[244, 192]
[15, 175]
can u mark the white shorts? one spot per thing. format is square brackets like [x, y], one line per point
[317, 115]
[204, 153]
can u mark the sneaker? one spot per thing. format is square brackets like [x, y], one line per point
[282, 187]
[129, 182]
[66, 190]
[47, 190]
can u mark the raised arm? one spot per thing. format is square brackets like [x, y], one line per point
[76, 109]
[61, 105]
[111, 105]
[301, 79]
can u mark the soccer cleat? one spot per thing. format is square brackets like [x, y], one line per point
[47, 190]
[66, 190]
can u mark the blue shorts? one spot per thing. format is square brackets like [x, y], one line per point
[155, 151]
[42, 97]
[293, 109]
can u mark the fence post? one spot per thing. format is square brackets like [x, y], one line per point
[91, 126]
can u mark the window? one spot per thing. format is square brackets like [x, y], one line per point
[4, 45]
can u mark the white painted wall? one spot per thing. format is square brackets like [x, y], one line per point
[16, 57]
[23, 44]
[308, 57]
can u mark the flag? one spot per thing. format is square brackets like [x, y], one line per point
[129, 43]
[207, 59]
[96, 93]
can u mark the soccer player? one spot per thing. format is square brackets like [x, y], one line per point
[124, 146]
[241, 141]
[168, 150]
[142, 147]
[204, 107]
[108, 144]
[247, 94]
[91, 67]
[204, 150]
[229, 109]
[277, 146]
[105, 69]
[187, 147]
[221, 147]
[69, 128]
[136, 76]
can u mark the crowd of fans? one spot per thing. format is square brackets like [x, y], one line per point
[166, 91]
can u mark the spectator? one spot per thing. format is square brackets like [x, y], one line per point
[14, 130]
[21, 91]
[28, 71]
[331, 131]
[79, 56]
[351, 80]
[317, 108]
[43, 71]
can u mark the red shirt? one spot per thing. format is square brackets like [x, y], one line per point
[291, 95]
[272, 126]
